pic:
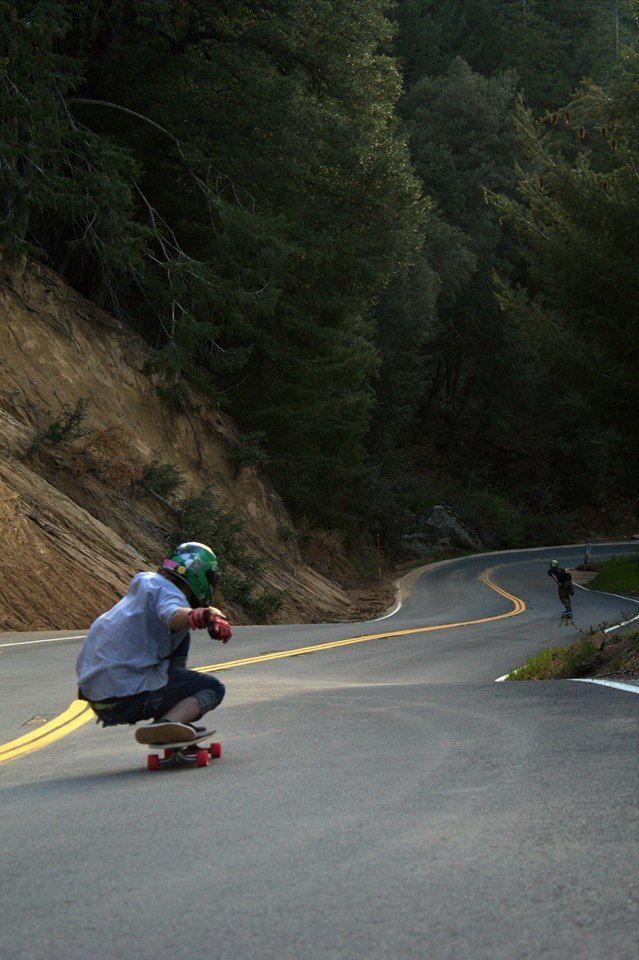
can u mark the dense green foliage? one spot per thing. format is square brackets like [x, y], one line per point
[202, 517]
[578, 213]
[551, 44]
[395, 242]
[559, 663]
[499, 413]
[593, 654]
[229, 177]
[618, 575]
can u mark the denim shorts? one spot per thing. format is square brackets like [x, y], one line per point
[153, 704]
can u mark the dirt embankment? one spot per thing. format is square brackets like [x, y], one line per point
[73, 527]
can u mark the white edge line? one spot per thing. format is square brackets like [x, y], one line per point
[628, 687]
[605, 593]
[398, 605]
[26, 643]
[81, 636]
[396, 608]
[617, 626]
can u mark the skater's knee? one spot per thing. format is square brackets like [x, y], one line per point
[210, 696]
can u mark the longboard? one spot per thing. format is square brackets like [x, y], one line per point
[183, 752]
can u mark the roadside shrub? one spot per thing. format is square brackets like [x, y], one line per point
[262, 603]
[202, 519]
[545, 528]
[558, 663]
[266, 604]
[68, 426]
[174, 395]
[497, 521]
[248, 450]
[237, 587]
[619, 575]
[593, 651]
[165, 479]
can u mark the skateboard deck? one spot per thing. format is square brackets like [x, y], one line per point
[183, 752]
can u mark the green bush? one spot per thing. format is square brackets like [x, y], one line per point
[557, 663]
[498, 522]
[202, 519]
[546, 528]
[165, 479]
[263, 604]
[174, 395]
[618, 575]
[248, 450]
[68, 426]
[237, 587]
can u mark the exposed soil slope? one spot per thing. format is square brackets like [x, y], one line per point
[73, 531]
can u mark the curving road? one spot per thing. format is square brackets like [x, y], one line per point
[381, 798]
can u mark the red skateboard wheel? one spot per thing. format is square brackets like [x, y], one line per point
[202, 758]
[153, 761]
[215, 750]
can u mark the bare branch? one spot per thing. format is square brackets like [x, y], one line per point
[178, 143]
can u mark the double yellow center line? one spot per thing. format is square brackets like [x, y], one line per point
[76, 715]
[78, 712]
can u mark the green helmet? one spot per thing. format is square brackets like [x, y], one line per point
[554, 563]
[196, 565]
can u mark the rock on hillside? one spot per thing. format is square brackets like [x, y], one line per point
[443, 528]
[73, 531]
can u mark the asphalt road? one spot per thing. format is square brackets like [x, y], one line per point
[383, 799]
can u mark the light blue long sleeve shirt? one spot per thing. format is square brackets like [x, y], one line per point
[127, 648]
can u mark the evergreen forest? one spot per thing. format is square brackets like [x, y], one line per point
[396, 242]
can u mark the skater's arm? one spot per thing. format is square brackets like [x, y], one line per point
[180, 619]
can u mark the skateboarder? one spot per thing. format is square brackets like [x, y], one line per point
[132, 665]
[564, 582]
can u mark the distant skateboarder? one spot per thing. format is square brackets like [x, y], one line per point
[132, 665]
[564, 583]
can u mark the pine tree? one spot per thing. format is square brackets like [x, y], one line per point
[578, 216]
[229, 178]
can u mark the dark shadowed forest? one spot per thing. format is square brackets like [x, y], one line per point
[396, 242]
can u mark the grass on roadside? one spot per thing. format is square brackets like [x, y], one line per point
[619, 575]
[596, 654]
[557, 663]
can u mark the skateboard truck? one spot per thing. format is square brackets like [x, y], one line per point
[173, 754]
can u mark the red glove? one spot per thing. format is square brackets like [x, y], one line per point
[220, 629]
[199, 618]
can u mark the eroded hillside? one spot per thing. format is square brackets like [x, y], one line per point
[74, 524]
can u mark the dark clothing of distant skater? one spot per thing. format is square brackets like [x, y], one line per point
[564, 583]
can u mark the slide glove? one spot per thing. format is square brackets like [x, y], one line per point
[199, 618]
[220, 629]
